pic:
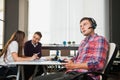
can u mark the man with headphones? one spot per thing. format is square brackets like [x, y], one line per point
[91, 55]
[90, 25]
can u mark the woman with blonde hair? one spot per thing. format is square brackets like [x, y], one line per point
[13, 49]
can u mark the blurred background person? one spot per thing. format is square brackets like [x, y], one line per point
[32, 47]
[12, 52]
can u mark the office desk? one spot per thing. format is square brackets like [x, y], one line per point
[35, 62]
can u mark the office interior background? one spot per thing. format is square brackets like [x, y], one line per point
[58, 20]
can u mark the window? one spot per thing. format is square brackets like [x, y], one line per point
[1, 22]
[58, 20]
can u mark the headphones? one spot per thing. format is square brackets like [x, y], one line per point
[93, 22]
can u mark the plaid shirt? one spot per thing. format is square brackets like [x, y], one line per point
[93, 51]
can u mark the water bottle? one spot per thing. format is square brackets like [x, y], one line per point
[57, 55]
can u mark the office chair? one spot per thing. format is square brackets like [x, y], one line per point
[6, 72]
[5, 75]
[105, 74]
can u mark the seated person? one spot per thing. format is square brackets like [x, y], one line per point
[12, 52]
[33, 47]
[91, 56]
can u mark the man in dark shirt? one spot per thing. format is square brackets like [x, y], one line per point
[33, 47]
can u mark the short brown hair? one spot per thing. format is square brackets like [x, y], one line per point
[38, 33]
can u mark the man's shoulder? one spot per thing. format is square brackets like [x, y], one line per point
[28, 42]
[100, 37]
[39, 43]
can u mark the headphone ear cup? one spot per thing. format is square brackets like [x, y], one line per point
[94, 26]
[93, 23]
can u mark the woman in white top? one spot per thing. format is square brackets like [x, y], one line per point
[14, 47]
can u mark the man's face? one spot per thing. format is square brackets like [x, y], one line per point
[86, 28]
[36, 38]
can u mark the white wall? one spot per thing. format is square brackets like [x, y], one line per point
[58, 20]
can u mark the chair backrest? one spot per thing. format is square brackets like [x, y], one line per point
[111, 56]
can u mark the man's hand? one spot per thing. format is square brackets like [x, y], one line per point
[69, 64]
[35, 56]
